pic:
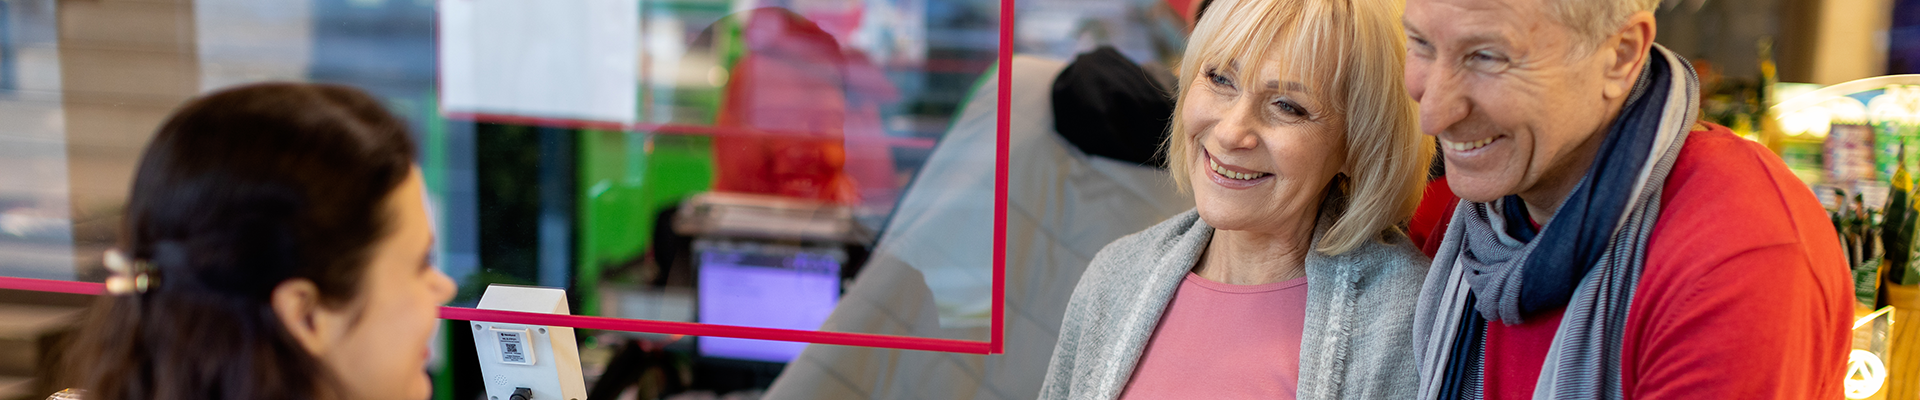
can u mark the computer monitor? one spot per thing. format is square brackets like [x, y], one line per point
[748, 283]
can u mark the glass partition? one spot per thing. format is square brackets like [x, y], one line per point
[680, 162]
[36, 221]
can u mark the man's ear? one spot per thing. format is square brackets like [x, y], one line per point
[297, 303]
[1628, 49]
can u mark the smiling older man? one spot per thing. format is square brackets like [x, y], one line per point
[1609, 246]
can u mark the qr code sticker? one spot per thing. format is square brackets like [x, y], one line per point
[513, 346]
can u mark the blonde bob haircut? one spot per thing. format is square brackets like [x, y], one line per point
[1348, 52]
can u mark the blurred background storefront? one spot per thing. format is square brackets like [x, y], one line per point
[821, 112]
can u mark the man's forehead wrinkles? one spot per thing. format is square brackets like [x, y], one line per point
[1471, 29]
[1458, 13]
[1485, 5]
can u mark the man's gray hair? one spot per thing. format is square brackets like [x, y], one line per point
[1594, 20]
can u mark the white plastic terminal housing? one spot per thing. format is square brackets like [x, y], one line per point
[544, 359]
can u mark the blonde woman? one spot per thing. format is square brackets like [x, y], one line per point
[1291, 278]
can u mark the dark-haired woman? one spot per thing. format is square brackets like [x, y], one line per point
[276, 246]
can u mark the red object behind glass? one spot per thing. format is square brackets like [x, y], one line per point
[807, 95]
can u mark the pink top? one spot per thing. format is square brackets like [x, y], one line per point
[1223, 341]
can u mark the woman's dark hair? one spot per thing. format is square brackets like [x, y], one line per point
[239, 191]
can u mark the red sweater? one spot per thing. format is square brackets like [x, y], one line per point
[1745, 294]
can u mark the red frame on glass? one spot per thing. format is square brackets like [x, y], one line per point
[992, 346]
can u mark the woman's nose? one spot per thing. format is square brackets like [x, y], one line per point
[443, 286]
[1236, 129]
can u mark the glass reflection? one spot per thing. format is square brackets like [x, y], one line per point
[780, 132]
[36, 228]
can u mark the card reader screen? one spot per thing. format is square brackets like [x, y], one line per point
[767, 289]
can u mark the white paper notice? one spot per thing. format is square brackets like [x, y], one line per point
[573, 59]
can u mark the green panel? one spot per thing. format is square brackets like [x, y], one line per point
[678, 167]
[603, 212]
[626, 179]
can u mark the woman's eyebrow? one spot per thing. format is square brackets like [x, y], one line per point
[1291, 86]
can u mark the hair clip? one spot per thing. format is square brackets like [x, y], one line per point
[69, 394]
[129, 276]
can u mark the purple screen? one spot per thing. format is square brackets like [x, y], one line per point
[794, 291]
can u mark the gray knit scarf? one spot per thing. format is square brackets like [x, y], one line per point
[1493, 266]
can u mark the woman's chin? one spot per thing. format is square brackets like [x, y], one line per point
[1225, 218]
[421, 387]
[418, 387]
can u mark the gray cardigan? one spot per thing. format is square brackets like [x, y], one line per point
[1359, 314]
